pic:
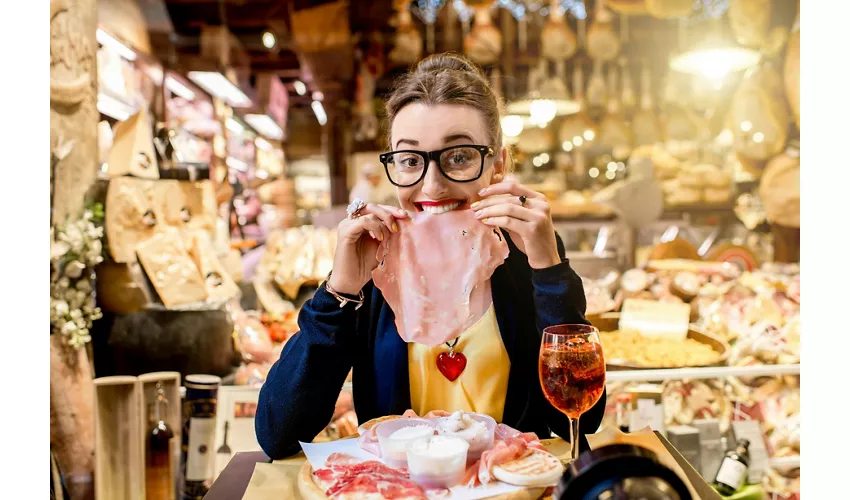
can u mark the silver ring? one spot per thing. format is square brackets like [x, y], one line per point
[355, 208]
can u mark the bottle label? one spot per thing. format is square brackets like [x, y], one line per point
[199, 457]
[732, 473]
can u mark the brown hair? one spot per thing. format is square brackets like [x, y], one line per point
[448, 79]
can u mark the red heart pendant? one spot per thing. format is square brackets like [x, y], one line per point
[451, 365]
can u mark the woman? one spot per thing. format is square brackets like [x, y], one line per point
[444, 102]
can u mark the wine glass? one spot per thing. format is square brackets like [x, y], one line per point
[572, 372]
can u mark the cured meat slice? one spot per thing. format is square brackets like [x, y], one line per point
[345, 478]
[433, 271]
[505, 450]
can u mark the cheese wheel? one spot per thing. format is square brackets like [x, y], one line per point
[750, 21]
[780, 190]
[133, 214]
[174, 275]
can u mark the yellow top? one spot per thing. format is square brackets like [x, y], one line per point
[482, 385]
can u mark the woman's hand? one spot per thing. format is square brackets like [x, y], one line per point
[529, 224]
[357, 246]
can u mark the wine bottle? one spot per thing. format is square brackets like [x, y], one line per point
[159, 482]
[734, 469]
[223, 454]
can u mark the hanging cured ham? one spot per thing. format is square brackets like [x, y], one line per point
[578, 127]
[454, 245]
[603, 44]
[557, 42]
[408, 40]
[750, 21]
[484, 43]
[759, 116]
[792, 71]
[669, 9]
[614, 132]
[645, 125]
[779, 189]
[596, 89]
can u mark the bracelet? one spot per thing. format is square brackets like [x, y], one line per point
[343, 300]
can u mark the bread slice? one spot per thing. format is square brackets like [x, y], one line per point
[365, 426]
[535, 468]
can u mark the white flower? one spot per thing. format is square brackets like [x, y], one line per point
[75, 314]
[74, 269]
[87, 215]
[81, 323]
[84, 285]
[69, 328]
[63, 284]
[61, 307]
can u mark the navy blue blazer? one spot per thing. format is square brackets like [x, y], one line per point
[298, 398]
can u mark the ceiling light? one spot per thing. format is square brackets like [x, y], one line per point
[113, 107]
[593, 172]
[589, 135]
[610, 175]
[319, 110]
[715, 63]
[216, 84]
[176, 87]
[567, 146]
[758, 137]
[318, 96]
[612, 166]
[550, 100]
[236, 164]
[263, 144]
[114, 45]
[746, 126]
[265, 125]
[537, 161]
[544, 158]
[512, 125]
[269, 40]
[299, 86]
[234, 126]
[578, 141]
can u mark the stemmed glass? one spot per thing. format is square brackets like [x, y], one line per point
[572, 372]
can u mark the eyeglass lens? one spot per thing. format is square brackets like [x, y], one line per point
[460, 164]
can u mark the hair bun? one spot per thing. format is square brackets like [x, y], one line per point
[447, 61]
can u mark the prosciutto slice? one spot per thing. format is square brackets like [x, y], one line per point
[346, 478]
[433, 273]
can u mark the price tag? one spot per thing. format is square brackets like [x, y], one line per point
[655, 319]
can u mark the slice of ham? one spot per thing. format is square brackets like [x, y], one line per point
[344, 477]
[510, 444]
[434, 273]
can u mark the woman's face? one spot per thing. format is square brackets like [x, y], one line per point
[429, 128]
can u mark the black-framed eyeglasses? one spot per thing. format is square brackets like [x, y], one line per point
[463, 163]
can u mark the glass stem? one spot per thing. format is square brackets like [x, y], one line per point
[574, 438]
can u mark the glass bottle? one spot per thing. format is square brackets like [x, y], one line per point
[734, 469]
[159, 483]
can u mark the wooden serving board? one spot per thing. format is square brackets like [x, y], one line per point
[310, 491]
[558, 447]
